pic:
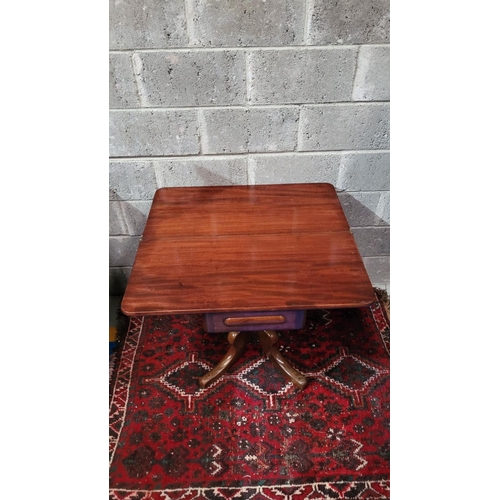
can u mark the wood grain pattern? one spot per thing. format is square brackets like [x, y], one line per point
[246, 248]
[254, 320]
[218, 211]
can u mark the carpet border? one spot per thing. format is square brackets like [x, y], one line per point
[121, 387]
[379, 314]
[337, 487]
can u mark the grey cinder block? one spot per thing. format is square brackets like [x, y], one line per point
[218, 171]
[372, 82]
[365, 171]
[135, 214]
[128, 217]
[293, 168]
[241, 130]
[301, 76]
[372, 241]
[198, 78]
[131, 180]
[344, 126]
[117, 224]
[384, 206]
[246, 23]
[122, 250]
[348, 22]
[378, 269]
[122, 87]
[366, 208]
[143, 24]
[153, 132]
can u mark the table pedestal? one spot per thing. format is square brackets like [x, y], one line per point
[238, 342]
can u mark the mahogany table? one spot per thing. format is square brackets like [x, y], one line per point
[249, 258]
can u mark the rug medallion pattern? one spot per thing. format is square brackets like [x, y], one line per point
[252, 434]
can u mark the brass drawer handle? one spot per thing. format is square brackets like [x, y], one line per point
[254, 320]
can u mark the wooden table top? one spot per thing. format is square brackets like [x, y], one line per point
[246, 248]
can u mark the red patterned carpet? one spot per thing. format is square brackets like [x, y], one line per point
[252, 435]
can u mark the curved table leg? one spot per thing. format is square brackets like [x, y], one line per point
[268, 339]
[238, 341]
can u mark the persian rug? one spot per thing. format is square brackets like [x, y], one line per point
[252, 434]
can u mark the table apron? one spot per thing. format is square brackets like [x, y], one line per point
[254, 320]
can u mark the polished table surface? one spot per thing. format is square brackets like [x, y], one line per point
[246, 248]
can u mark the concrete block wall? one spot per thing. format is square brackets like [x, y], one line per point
[221, 92]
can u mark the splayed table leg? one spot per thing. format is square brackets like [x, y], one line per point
[268, 340]
[238, 341]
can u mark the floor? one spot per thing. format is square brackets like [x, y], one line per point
[114, 304]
